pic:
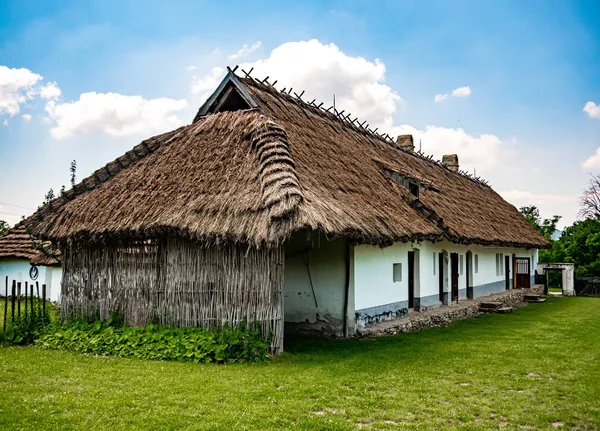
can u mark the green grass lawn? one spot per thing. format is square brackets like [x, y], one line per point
[538, 368]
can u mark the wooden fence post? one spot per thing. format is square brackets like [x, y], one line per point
[18, 300]
[31, 309]
[12, 301]
[44, 295]
[37, 291]
[5, 303]
[25, 299]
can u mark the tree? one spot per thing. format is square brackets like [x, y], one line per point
[49, 196]
[4, 228]
[546, 227]
[590, 200]
[580, 244]
[73, 170]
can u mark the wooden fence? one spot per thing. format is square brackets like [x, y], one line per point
[23, 298]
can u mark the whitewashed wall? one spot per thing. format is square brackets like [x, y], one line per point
[378, 297]
[323, 309]
[18, 269]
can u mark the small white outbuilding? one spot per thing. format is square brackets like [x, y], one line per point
[22, 261]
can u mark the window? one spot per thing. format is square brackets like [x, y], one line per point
[434, 263]
[476, 263]
[397, 272]
[460, 264]
[499, 266]
[414, 189]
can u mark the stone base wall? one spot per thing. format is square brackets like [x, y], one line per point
[444, 315]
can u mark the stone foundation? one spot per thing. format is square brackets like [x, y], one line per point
[444, 315]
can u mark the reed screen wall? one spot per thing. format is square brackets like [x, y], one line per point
[176, 282]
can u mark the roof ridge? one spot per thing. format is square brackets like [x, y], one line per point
[344, 119]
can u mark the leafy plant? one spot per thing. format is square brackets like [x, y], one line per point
[230, 344]
[28, 327]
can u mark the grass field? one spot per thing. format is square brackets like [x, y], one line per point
[538, 368]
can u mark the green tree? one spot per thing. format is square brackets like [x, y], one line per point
[546, 227]
[580, 244]
[4, 228]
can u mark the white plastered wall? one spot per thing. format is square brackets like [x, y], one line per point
[373, 271]
[18, 270]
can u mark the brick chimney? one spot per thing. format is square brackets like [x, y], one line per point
[405, 142]
[450, 161]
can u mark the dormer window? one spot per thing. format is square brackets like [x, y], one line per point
[413, 189]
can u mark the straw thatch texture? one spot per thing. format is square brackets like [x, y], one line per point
[255, 176]
[17, 244]
[345, 189]
[176, 282]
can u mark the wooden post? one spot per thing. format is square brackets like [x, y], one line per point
[26, 299]
[18, 300]
[37, 292]
[5, 303]
[31, 309]
[12, 301]
[44, 300]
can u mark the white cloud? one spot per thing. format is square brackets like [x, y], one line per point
[5, 122]
[592, 110]
[205, 85]
[440, 98]
[461, 92]
[481, 152]
[190, 68]
[593, 161]
[323, 70]
[246, 50]
[50, 91]
[114, 114]
[521, 197]
[16, 87]
[26, 117]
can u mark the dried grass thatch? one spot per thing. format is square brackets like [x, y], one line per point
[17, 244]
[254, 176]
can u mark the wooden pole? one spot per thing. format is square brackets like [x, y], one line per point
[5, 303]
[31, 310]
[44, 301]
[25, 299]
[12, 301]
[18, 300]
[37, 291]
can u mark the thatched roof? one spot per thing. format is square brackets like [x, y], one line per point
[17, 244]
[258, 174]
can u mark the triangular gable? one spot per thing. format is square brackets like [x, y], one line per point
[230, 95]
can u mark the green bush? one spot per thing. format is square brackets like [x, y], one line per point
[243, 343]
[28, 327]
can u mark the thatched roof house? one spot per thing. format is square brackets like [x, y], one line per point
[18, 245]
[256, 166]
[23, 260]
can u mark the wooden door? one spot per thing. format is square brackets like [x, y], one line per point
[507, 272]
[523, 273]
[469, 276]
[441, 275]
[454, 275]
[411, 279]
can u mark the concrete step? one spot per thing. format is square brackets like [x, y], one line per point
[533, 299]
[490, 305]
[498, 310]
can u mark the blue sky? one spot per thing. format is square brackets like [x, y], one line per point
[531, 67]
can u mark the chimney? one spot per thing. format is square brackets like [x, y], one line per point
[405, 142]
[450, 161]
